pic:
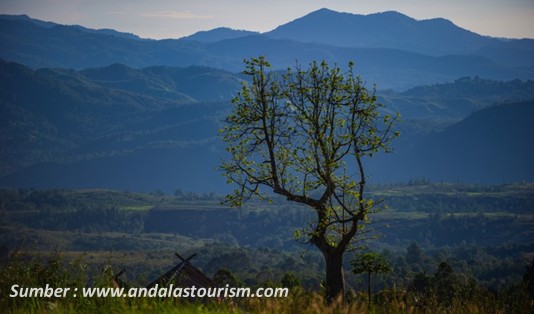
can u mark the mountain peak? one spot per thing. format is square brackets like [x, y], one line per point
[26, 18]
[390, 14]
[218, 34]
[389, 29]
[328, 13]
[324, 10]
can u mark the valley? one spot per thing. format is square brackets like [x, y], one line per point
[111, 148]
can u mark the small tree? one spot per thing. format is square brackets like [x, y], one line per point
[528, 279]
[304, 135]
[289, 280]
[446, 284]
[370, 263]
[225, 277]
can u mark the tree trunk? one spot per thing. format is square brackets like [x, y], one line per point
[369, 290]
[335, 282]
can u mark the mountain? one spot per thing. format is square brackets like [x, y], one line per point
[512, 53]
[156, 127]
[436, 37]
[96, 108]
[382, 30]
[58, 115]
[491, 146]
[27, 42]
[189, 168]
[69, 46]
[388, 68]
[218, 34]
[456, 100]
[45, 24]
[197, 82]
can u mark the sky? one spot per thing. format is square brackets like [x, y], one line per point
[160, 19]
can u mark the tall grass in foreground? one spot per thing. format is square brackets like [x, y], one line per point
[59, 272]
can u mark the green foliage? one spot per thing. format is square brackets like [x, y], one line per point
[446, 283]
[290, 281]
[370, 262]
[198, 226]
[32, 272]
[225, 277]
[57, 271]
[447, 291]
[528, 278]
[305, 135]
[82, 221]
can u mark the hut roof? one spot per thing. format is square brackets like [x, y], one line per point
[184, 274]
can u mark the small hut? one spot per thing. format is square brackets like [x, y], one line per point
[184, 274]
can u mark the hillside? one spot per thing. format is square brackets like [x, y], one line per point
[490, 146]
[55, 115]
[456, 100]
[156, 128]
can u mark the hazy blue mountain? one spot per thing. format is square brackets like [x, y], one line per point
[37, 46]
[74, 47]
[200, 83]
[455, 101]
[513, 53]
[26, 18]
[381, 30]
[190, 168]
[45, 24]
[491, 146]
[394, 30]
[218, 34]
[388, 68]
[156, 128]
[144, 114]
[66, 115]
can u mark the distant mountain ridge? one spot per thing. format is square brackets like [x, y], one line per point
[99, 108]
[65, 115]
[398, 52]
[104, 31]
[382, 30]
[218, 34]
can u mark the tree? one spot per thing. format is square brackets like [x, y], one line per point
[370, 263]
[304, 135]
[528, 279]
[446, 284]
[415, 257]
[225, 277]
[289, 280]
